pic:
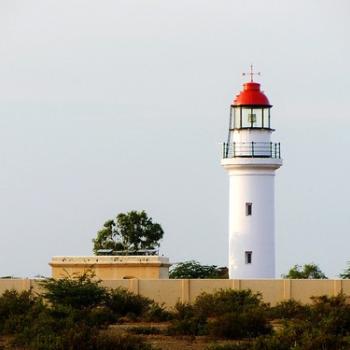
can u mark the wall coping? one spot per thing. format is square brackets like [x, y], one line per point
[104, 260]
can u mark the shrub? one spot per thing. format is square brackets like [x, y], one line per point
[227, 301]
[237, 325]
[122, 302]
[331, 314]
[289, 309]
[303, 335]
[18, 309]
[183, 311]
[78, 292]
[186, 321]
[76, 311]
[157, 313]
[192, 326]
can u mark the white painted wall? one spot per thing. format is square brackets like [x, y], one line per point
[251, 135]
[251, 181]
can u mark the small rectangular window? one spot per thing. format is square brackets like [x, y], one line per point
[248, 257]
[248, 209]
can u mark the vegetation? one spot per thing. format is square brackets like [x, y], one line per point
[307, 271]
[130, 232]
[70, 314]
[74, 313]
[346, 273]
[225, 314]
[193, 269]
[322, 325]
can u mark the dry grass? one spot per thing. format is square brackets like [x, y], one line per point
[164, 342]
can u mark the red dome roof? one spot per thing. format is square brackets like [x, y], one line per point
[251, 96]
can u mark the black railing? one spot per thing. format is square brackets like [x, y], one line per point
[251, 150]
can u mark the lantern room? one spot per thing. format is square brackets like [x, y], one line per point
[250, 124]
[250, 109]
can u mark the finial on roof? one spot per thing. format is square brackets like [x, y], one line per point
[251, 73]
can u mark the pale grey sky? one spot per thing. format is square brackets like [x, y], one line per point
[109, 106]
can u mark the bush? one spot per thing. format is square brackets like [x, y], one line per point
[156, 313]
[289, 309]
[183, 311]
[238, 325]
[303, 335]
[233, 314]
[123, 303]
[227, 301]
[45, 333]
[186, 321]
[78, 292]
[76, 311]
[18, 309]
[331, 314]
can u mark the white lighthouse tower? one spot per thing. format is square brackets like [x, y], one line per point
[251, 160]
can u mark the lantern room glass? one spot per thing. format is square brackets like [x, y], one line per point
[250, 117]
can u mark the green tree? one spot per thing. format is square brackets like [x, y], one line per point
[307, 271]
[130, 232]
[346, 273]
[193, 269]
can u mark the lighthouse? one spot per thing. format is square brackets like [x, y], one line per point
[251, 159]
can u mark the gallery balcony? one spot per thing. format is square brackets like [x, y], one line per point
[251, 150]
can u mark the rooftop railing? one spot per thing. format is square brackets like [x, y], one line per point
[251, 150]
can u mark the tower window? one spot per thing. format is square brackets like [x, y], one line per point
[248, 209]
[248, 257]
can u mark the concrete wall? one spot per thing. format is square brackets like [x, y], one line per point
[169, 291]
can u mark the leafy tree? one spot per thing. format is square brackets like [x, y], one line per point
[193, 269]
[130, 232]
[307, 271]
[346, 273]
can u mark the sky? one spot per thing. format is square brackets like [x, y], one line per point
[112, 106]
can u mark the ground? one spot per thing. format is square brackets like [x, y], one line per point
[161, 342]
[164, 342]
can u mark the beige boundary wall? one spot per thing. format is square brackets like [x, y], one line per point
[169, 291]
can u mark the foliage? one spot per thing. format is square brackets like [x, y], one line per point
[307, 271]
[131, 232]
[227, 301]
[75, 311]
[242, 324]
[78, 292]
[289, 309]
[122, 303]
[331, 314]
[186, 321]
[193, 269]
[156, 313]
[346, 273]
[226, 313]
[63, 322]
[17, 309]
